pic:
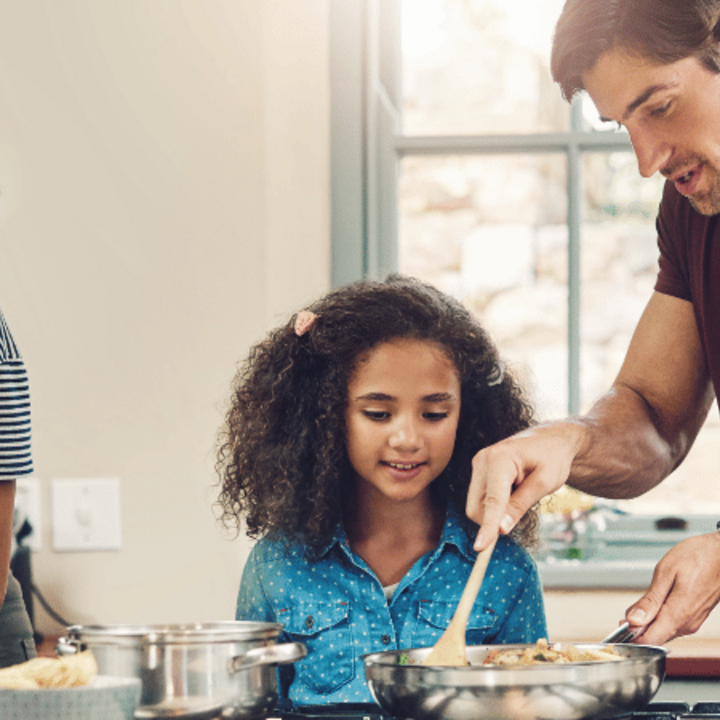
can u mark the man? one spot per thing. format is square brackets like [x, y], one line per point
[16, 635]
[652, 66]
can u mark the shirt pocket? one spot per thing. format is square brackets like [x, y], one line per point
[325, 630]
[435, 615]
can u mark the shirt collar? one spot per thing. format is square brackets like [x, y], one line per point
[453, 533]
[339, 538]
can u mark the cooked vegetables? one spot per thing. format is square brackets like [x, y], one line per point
[543, 652]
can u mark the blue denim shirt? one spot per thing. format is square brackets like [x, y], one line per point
[335, 605]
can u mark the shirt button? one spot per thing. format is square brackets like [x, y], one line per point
[309, 622]
[385, 639]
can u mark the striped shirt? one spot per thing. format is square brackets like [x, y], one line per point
[15, 457]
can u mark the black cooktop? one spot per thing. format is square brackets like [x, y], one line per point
[654, 711]
[675, 710]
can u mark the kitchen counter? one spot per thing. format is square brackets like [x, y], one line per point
[691, 657]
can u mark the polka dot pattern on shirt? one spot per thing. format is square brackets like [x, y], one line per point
[335, 605]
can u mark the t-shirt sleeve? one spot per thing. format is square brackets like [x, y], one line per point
[15, 431]
[672, 224]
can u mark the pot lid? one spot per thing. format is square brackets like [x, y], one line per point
[191, 633]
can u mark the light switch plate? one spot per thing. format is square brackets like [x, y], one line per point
[86, 514]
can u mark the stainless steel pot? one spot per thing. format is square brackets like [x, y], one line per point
[573, 691]
[195, 672]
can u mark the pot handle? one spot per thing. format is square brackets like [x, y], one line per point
[268, 655]
[68, 646]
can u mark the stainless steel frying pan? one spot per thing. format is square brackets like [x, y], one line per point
[572, 691]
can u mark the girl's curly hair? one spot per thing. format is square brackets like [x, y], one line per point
[282, 458]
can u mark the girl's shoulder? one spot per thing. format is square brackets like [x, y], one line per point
[277, 548]
[509, 552]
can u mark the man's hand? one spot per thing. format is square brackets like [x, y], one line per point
[684, 589]
[511, 476]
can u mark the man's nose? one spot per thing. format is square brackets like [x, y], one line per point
[651, 151]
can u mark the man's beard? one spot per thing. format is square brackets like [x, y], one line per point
[708, 202]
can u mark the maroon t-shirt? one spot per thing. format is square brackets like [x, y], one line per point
[690, 268]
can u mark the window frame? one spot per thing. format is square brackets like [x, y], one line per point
[367, 146]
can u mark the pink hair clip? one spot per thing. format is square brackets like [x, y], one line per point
[304, 321]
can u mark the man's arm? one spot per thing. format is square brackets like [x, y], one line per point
[629, 441]
[655, 409]
[7, 503]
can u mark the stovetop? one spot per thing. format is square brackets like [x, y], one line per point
[675, 710]
[362, 711]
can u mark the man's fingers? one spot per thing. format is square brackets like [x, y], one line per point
[684, 590]
[646, 612]
[494, 520]
[517, 505]
[508, 478]
[525, 496]
[488, 497]
[661, 631]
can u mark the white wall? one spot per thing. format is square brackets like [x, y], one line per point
[164, 200]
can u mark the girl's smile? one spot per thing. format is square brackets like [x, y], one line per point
[402, 415]
[404, 471]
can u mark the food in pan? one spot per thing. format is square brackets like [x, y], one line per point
[71, 671]
[543, 652]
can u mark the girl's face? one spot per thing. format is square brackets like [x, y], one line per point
[402, 417]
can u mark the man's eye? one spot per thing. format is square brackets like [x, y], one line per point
[435, 416]
[376, 414]
[662, 110]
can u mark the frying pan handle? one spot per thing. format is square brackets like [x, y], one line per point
[623, 634]
[269, 655]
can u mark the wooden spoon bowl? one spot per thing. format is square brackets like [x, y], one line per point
[450, 649]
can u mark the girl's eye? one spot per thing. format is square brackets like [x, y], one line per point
[435, 416]
[376, 415]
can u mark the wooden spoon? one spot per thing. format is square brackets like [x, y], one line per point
[450, 650]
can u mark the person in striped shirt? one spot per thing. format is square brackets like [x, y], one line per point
[16, 634]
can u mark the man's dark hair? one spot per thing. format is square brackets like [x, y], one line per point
[664, 31]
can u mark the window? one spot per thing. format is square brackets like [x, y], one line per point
[457, 161]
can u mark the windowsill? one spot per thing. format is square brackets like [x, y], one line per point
[562, 574]
[611, 550]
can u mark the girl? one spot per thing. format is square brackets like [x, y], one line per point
[347, 449]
